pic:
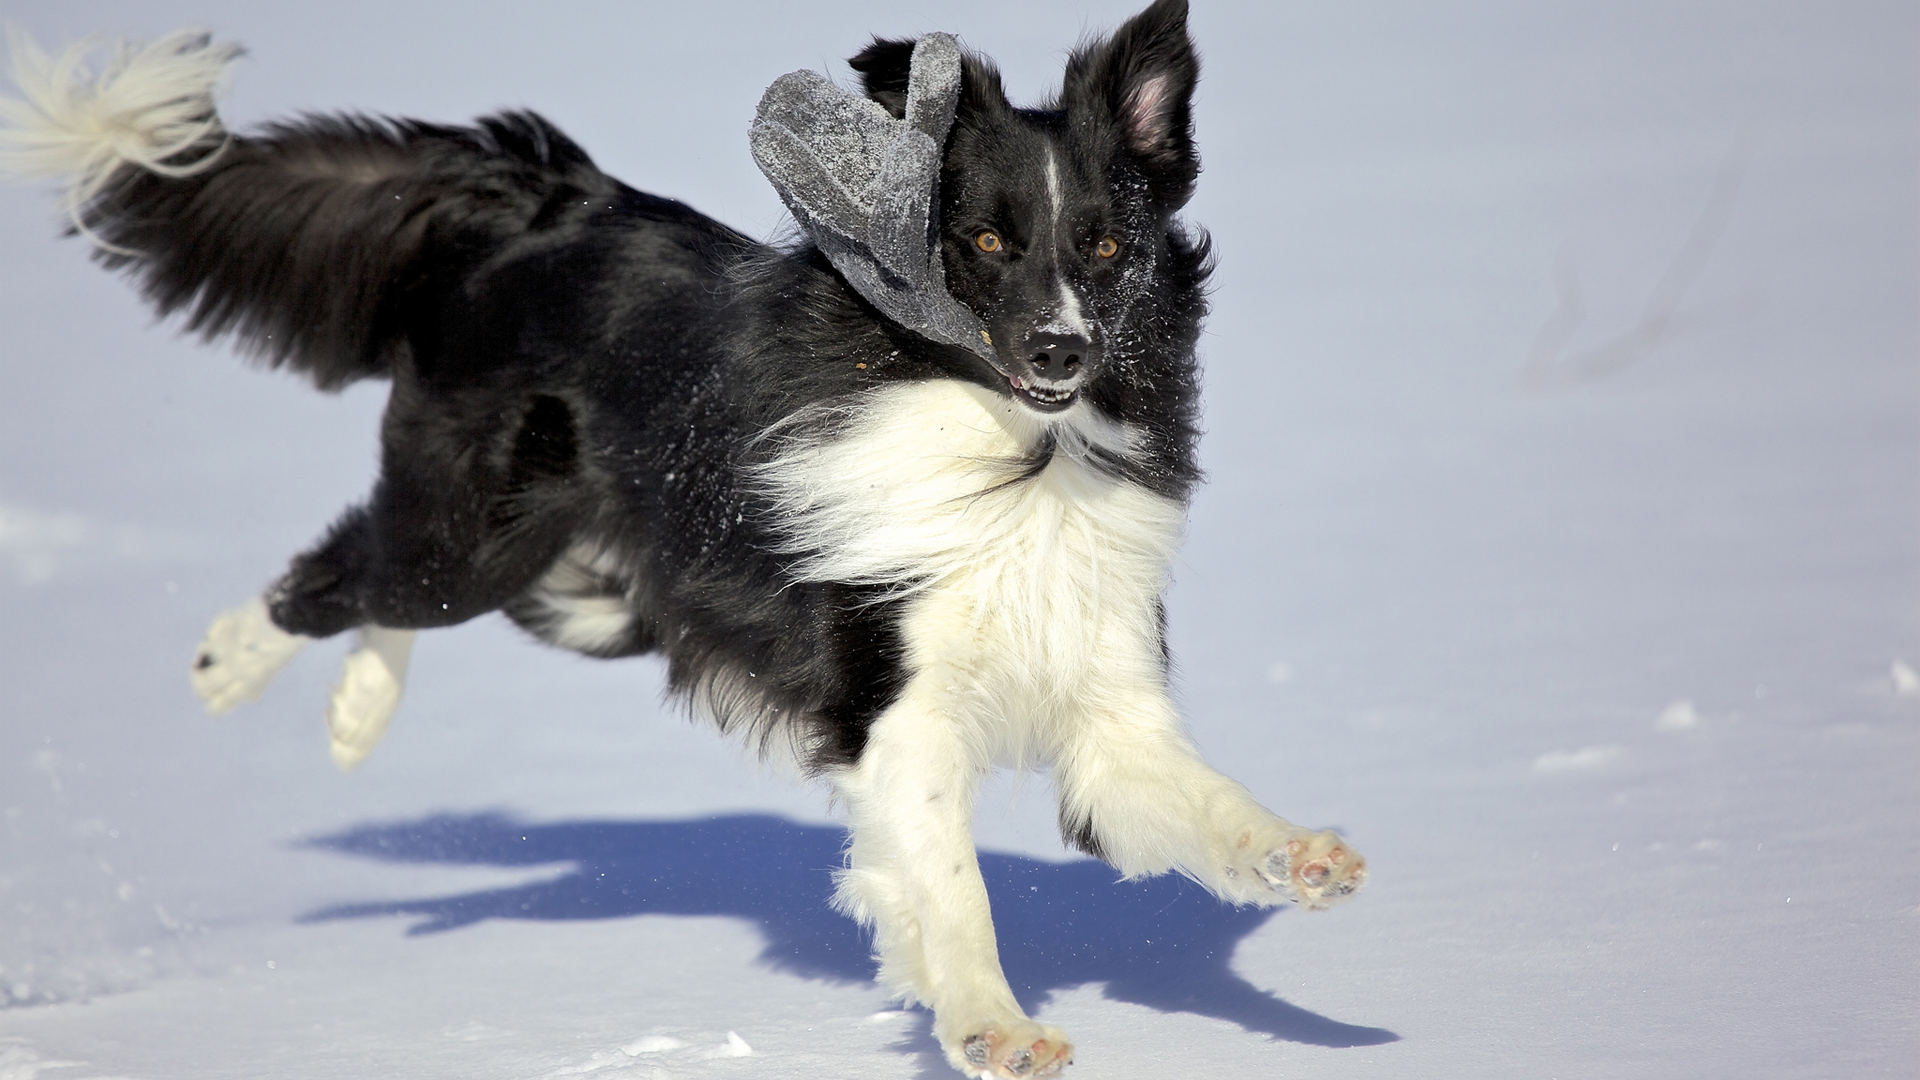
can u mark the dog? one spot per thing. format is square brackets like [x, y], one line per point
[899, 557]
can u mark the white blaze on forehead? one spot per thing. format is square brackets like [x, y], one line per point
[1053, 186]
[1068, 319]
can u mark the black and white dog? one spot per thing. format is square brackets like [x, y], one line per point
[633, 429]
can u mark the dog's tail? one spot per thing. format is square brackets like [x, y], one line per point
[308, 241]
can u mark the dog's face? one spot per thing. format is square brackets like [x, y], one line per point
[1052, 220]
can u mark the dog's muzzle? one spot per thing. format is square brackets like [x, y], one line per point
[1052, 367]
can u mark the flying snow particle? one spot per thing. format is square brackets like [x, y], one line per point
[1906, 681]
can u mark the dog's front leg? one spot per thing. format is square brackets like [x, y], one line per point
[912, 875]
[1134, 791]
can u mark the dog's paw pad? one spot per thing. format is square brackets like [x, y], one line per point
[242, 652]
[1315, 869]
[1016, 1050]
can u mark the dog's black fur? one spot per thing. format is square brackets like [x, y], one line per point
[577, 362]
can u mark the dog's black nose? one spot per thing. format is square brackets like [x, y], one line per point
[1056, 357]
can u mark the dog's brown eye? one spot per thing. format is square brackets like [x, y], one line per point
[987, 241]
[1108, 247]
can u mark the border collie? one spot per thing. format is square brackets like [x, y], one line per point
[633, 429]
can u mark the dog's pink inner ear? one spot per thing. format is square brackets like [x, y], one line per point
[1148, 115]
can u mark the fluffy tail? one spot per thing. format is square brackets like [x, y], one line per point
[313, 242]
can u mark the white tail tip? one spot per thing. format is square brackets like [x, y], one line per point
[146, 105]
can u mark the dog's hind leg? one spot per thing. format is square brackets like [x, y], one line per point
[368, 693]
[318, 597]
[912, 875]
[467, 514]
[242, 652]
[453, 530]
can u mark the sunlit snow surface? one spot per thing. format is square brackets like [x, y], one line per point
[1561, 547]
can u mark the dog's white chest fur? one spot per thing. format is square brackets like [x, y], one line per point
[1032, 598]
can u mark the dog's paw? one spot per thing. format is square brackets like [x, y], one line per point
[240, 655]
[1296, 865]
[1016, 1049]
[364, 700]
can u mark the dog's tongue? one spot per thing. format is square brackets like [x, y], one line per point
[864, 187]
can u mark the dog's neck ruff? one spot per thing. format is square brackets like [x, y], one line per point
[924, 481]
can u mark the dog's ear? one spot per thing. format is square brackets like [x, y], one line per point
[981, 92]
[884, 67]
[1141, 81]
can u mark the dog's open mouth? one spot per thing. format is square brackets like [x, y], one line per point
[1044, 398]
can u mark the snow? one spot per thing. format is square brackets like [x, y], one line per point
[1560, 548]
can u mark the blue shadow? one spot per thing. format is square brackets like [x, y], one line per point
[1164, 943]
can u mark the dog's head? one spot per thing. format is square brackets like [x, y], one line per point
[1052, 220]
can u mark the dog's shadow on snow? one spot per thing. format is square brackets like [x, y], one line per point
[1164, 943]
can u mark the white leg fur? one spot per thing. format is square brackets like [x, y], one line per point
[240, 655]
[1154, 805]
[368, 693]
[913, 876]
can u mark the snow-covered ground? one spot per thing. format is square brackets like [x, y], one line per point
[1562, 547]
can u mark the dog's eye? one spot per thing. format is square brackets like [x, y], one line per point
[1107, 248]
[988, 241]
